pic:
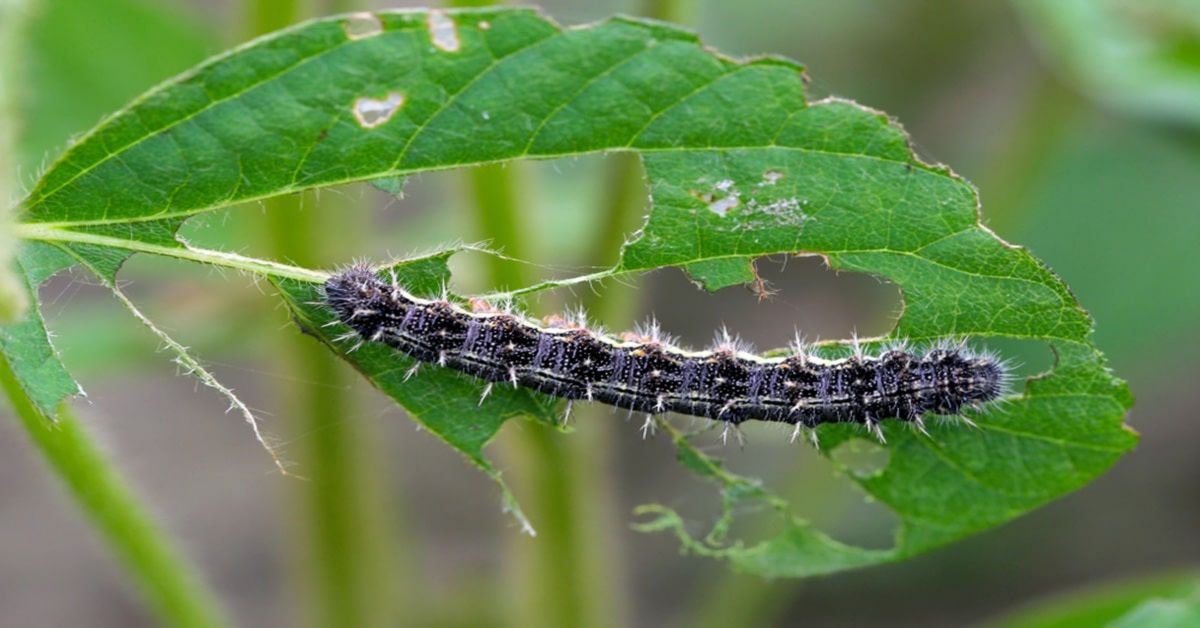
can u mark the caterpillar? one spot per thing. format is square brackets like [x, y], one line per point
[645, 372]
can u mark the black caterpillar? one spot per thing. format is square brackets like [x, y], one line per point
[644, 372]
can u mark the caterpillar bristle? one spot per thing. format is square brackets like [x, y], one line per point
[645, 371]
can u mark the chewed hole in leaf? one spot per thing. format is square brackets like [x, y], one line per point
[804, 298]
[1025, 358]
[443, 31]
[372, 112]
[362, 25]
[828, 179]
[861, 458]
[858, 519]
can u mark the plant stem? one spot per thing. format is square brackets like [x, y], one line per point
[351, 562]
[570, 571]
[175, 596]
[572, 575]
[625, 177]
[592, 446]
[557, 587]
[1044, 120]
[351, 567]
[13, 14]
[678, 11]
[564, 583]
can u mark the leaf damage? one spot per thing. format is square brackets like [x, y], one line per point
[740, 165]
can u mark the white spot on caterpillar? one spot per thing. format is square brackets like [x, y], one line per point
[443, 31]
[372, 112]
[362, 25]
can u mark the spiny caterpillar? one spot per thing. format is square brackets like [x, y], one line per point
[645, 372]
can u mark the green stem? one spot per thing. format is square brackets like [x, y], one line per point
[739, 596]
[592, 446]
[572, 574]
[166, 581]
[570, 571]
[678, 11]
[564, 585]
[13, 14]
[351, 565]
[466, 4]
[557, 588]
[1045, 119]
[335, 501]
[174, 594]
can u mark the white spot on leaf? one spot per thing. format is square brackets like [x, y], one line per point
[722, 206]
[362, 25]
[372, 112]
[443, 31]
[486, 116]
[784, 211]
[722, 199]
[771, 177]
[484, 25]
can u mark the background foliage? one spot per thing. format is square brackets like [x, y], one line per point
[344, 548]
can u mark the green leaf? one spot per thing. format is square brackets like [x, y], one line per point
[32, 377]
[68, 56]
[1163, 614]
[26, 344]
[1143, 57]
[740, 165]
[1154, 601]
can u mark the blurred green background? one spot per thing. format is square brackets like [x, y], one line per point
[1079, 121]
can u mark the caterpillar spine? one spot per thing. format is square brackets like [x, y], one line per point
[645, 371]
